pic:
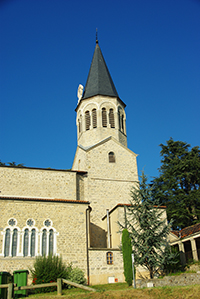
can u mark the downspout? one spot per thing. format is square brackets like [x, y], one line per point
[108, 228]
[87, 252]
[125, 220]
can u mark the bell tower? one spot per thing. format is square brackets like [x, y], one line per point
[100, 111]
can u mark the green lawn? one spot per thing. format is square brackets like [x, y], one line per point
[121, 290]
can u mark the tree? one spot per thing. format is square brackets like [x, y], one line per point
[127, 251]
[13, 164]
[177, 186]
[148, 228]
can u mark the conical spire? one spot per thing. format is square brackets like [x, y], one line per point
[99, 81]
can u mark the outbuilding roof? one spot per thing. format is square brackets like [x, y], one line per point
[187, 231]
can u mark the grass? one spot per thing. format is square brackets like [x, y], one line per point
[121, 290]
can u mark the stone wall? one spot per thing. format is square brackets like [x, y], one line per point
[181, 280]
[107, 183]
[100, 271]
[31, 182]
[67, 219]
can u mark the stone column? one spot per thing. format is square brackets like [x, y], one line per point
[182, 253]
[194, 249]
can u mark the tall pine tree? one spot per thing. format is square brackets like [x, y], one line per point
[148, 228]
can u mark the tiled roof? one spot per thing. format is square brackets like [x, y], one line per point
[44, 199]
[187, 231]
[175, 232]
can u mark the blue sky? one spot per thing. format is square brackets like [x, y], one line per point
[152, 50]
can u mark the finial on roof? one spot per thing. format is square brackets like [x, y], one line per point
[96, 36]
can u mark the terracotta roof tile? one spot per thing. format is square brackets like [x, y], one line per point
[45, 199]
[190, 230]
[187, 231]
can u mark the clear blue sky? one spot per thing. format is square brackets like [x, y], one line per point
[152, 50]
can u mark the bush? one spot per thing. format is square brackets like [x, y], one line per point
[172, 261]
[48, 269]
[127, 251]
[77, 275]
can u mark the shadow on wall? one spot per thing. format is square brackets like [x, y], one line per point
[97, 236]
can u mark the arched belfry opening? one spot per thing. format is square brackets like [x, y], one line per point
[99, 103]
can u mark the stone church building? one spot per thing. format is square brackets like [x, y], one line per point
[74, 213]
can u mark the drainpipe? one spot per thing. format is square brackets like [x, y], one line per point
[108, 228]
[87, 252]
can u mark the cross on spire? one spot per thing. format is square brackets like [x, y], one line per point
[96, 36]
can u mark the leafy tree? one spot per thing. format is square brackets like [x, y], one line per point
[11, 164]
[127, 251]
[177, 187]
[147, 227]
[15, 165]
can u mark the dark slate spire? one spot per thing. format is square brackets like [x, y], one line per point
[99, 81]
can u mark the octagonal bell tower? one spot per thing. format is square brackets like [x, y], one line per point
[100, 111]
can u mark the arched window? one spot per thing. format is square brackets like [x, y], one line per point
[33, 242]
[29, 241]
[7, 242]
[48, 239]
[104, 117]
[79, 125]
[10, 239]
[44, 242]
[26, 239]
[87, 120]
[14, 242]
[111, 118]
[94, 118]
[122, 118]
[51, 241]
[111, 157]
[109, 257]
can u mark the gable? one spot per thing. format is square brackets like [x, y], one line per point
[95, 160]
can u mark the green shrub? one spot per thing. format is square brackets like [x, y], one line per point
[127, 251]
[47, 269]
[172, 261]
[77, 275]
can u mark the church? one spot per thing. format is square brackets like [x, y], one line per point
[74, 213]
